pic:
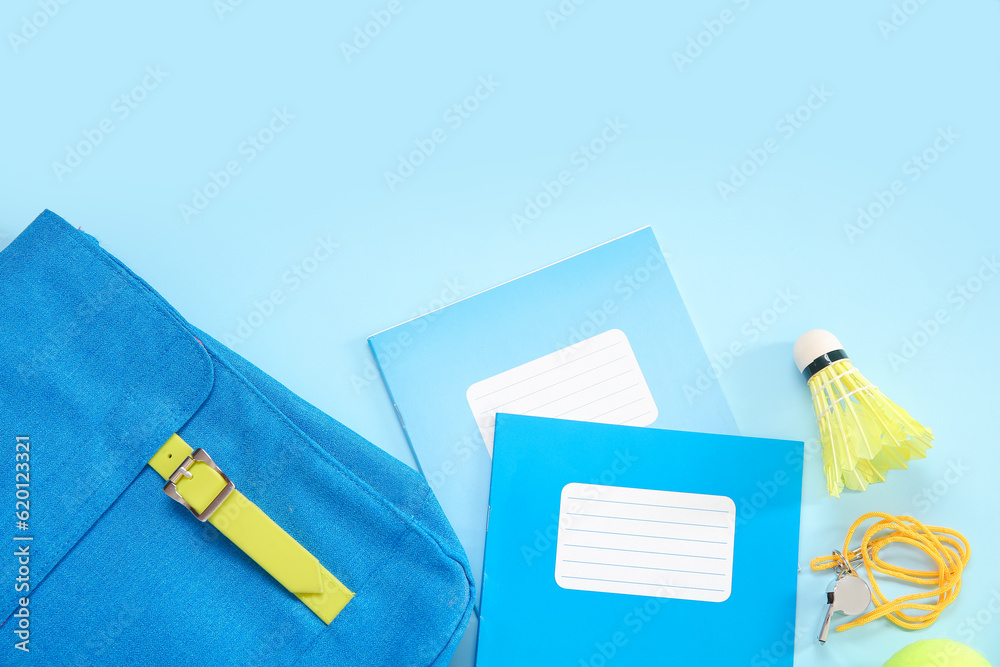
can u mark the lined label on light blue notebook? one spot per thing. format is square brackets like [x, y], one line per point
[645, 542]
[596, 380]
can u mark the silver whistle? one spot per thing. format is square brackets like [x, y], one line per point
[849, 595]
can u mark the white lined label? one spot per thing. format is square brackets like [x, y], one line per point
[596, 380]
[645, 542]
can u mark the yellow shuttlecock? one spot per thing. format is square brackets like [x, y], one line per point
[864, 434]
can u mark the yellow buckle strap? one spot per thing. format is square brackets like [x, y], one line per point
[196, 482]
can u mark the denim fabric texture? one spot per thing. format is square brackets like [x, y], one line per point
[98, 370]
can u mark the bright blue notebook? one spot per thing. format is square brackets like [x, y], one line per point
[601, 336]
[624, 546]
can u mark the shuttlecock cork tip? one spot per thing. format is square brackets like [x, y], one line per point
[813, 346]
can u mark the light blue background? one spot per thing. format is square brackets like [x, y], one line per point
[451, 220]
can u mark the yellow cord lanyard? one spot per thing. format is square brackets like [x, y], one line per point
[948, 548]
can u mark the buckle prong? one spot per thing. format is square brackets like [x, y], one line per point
[170, 488]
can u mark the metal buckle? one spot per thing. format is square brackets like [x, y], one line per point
[170, 488]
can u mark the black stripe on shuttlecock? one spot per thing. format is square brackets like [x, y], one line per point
[821, 362]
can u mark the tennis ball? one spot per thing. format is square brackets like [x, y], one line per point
[937, 653]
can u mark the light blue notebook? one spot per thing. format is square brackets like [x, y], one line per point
[615, 545]
[601, 336]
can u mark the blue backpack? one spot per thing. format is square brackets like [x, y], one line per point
[313, 547]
